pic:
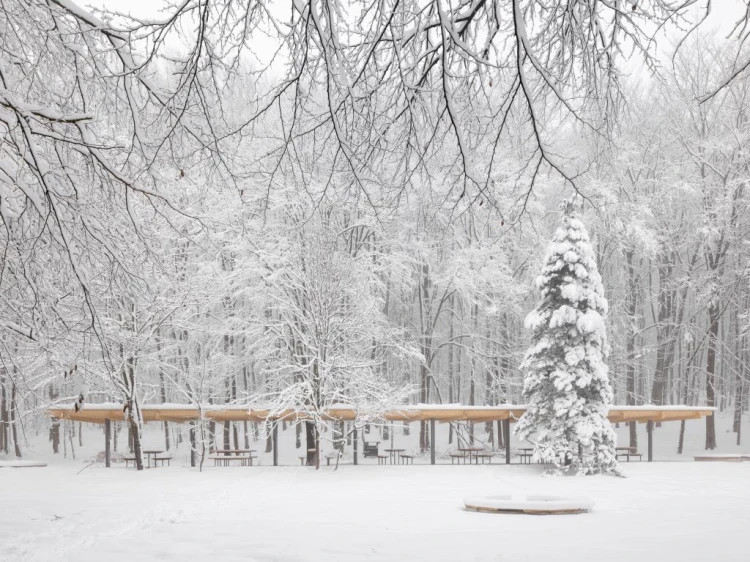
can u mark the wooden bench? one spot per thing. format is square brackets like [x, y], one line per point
[128, 460]
[456, 457]
[485, 457]
[406, 459]
[162, 460]
[330, 457]
[627, 452]
[383, 459]
[226, 461]
[628, 455]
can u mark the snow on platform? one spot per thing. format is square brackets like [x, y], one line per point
[662, 511]
[529, 505]
[21, 464]
[722, 457]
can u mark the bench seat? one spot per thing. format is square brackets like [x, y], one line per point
[456, 457]
[485, 457]
[406, 459]
[244, 460]
[628, 455]
[162, 459]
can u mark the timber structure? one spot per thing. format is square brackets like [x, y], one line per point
[443, 413]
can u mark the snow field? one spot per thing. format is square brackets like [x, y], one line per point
[662, 511]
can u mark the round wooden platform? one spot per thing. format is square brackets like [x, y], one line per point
[21, 464]
[737, 457]
[529, 505]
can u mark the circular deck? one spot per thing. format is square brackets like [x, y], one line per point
[529, 505]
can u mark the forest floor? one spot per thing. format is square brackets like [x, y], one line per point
[662, 511]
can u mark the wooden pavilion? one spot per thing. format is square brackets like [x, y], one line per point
[506, 413]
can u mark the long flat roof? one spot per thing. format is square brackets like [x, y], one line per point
[98, 413]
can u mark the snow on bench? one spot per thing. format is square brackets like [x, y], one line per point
[530, 505]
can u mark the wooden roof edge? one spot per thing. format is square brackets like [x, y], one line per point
[97, 413]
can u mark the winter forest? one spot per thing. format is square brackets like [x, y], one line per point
[311, 203]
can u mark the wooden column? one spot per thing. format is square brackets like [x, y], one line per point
[432, 441]
[650, 431]
[506, 437]
[193, 455]
[354, 444]
[276, 444]
[107, 441]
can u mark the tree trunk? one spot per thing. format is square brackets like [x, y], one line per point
[162, 389]
[134, 414]
[4, 437]
[713, 332]
[311, 441]
[630, 396]
[54, 429]
[269, 438]
[13, 421]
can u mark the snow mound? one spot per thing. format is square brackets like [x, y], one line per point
[21, 464]
[530, 505]
[722, 457]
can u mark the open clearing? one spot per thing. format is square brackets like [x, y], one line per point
[662, 511]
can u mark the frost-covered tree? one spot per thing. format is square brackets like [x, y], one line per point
[566, 380]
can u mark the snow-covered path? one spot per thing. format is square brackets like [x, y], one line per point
[662, 511]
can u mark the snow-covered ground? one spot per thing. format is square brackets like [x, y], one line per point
[662, 511]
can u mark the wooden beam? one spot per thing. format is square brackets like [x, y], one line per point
[193, 452]
[276, 444]
[95, 414]
[506, 436]
[432, 441]
[107, 440]
[354, 443]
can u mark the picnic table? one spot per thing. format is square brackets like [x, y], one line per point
[393, 454]
[151, 452]
[472, 451]
[225, 457]
[627, 452]
[525, 453]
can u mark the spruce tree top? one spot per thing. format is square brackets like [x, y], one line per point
[572, 294]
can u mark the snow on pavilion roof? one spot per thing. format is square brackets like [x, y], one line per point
[98, 413]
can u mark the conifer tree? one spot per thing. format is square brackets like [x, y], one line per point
[566, 381]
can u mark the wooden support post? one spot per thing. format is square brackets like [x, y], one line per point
[432, 441]
[193, 452]
[506, 437]
[650, 431]
[355, 444]
[107, 441]
[276, 444]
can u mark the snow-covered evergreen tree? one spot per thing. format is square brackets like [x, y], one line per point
[566, 380]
